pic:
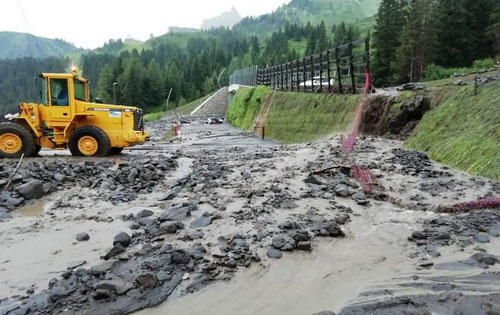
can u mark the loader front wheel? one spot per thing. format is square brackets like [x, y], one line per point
[89, 141]
[15, 140]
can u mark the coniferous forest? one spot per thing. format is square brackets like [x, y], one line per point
[409, 38]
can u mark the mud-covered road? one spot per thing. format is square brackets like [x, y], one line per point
[224, 223]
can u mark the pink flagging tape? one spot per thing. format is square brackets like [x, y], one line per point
[479, 204]
[363, 176]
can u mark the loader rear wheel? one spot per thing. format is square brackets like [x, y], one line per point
[89, 141]
[15, 140]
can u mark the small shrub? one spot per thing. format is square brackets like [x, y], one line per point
[484, 64]
[153, 116]
[435, 72]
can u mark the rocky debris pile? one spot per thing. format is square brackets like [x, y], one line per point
[296, 236]
[119, 182]
[137, 280]
[415, 163]
[412, 86]
[228, 253]
[488, 78]
[465, 229]
[446, 303]
[481, 80]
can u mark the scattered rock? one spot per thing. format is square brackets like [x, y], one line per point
[315, 180]
[116, 286]
[274, 253]
[32, 189]
[144, 213]
[147, 280]
[482, 238]
[203, 221]
[102, 294]
[123, 239]
[115, 251]
[82, 237]
[303, 245]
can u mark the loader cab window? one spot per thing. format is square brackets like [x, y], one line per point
[80, 90]
[59, 92]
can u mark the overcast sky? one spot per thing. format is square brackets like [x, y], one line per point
[90, 23]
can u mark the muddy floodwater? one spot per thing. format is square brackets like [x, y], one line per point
[222, 222]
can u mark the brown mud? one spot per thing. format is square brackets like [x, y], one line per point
[241, 226]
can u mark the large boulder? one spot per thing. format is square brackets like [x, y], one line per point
[32, 189]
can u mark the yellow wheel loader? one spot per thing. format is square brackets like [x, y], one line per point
[66, 118]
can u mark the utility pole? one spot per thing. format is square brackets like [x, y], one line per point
[220, 75]
[168, 99]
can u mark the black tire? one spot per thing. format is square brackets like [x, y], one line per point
[27, 139]
[116, 151]
[103, 143]
[37, 150]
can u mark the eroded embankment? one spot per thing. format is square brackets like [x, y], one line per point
[292, 117]
[450, 123]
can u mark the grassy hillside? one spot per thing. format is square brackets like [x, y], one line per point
[464, 131]
[245, 106]
[292, 117]
[17, 45]
[314, 11]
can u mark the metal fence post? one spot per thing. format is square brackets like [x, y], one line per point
[304, 73]
[312, 74]
[329, 72]
[321, 72]
[337, 55]
[286, 76]
[281, 77]
[351, 62]
[276, 79]
[298, 77]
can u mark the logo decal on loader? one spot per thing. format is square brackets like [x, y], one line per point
[115, 114]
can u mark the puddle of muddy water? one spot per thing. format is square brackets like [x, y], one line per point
[32, 210]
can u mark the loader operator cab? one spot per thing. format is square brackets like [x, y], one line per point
[59, 92]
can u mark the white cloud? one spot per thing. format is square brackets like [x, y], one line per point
[91, 23]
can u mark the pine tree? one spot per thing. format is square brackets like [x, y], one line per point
[255, 50]
[340, 35]
[413, 54]
[451, 33]
[210, 84]
[311, 43]
[105, 84]
[353, 33]
[480, 45]
[131, 84]
[322, 40]
[494, 28]
[154, 93]
[391, 18]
